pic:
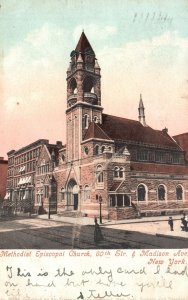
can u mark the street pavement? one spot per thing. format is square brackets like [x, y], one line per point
[152, 225]
[38, 232]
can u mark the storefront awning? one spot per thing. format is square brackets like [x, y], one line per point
[28, 179]
[24, 180]
[21, 181]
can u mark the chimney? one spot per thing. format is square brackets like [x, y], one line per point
[165, 130]
[59, 144]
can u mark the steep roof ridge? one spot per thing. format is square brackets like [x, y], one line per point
[92, 132]
[103, 132]
[89, 132]
[170, 138]
[122, 118]
[119, 128]
[83, 43]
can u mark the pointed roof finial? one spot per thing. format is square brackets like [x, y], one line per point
[97, 64]
[141, 105]
[80, 60]
[83, 44]
[141, 109]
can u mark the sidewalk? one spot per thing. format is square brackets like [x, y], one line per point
[153, 225]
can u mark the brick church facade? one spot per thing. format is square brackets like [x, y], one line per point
[131, 168]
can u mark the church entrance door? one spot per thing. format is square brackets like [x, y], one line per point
[72, 201]
[75, 201]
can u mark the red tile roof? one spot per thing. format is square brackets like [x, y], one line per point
[94, 131]
[83, 44]
[182, 140]
[159, 168]
[118, 128]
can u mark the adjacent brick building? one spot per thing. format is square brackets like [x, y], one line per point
[3, 177]
[126, 165]
[20, 195]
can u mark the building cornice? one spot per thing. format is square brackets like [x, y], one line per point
[78, 104]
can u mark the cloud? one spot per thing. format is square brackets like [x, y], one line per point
[34, 85]
[41, 48]
[95, 32]
[157, 68]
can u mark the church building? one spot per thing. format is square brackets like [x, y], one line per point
[122, 165]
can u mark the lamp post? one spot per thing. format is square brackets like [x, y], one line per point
[49, 209]
[100, 203]
[49, 194]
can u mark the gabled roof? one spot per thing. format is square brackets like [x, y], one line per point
[122, 129]
[182, 140]
[95, 132]
[83, 44]
[115, 186]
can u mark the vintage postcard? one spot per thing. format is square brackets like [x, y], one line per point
[94, 150]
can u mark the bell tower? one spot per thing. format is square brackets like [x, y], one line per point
[83, 95]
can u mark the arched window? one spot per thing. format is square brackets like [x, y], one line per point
[62, 194]
[86, 150]
[96, 150]
[110, 149]
[96, 119]
[86, 192]
[116, 172]
[141, 190]
[88, 84]
[86, 121]
[102, 149]
[73, 86]
[161, 192]
[179, 192]
[99, 174]
[121, 172]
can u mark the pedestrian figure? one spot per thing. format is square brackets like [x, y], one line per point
[183, 224]
[186, 218]
[97, 233]
[171, 223]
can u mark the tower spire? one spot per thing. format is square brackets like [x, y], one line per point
[83, 96]
[83, 44]
[141, 109]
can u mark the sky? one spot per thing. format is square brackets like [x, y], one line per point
[141, 47]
